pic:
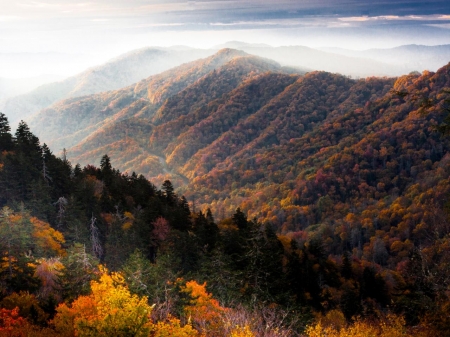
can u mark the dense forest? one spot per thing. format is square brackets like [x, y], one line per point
[95, 252]
[234, 130]
[313, 205]
[121, 122]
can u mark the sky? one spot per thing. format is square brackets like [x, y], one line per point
[74, 34]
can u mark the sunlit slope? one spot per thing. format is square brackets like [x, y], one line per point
[115, 74]
[137, 115]
[235, 130]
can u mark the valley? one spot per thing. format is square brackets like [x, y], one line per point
[224, 168]
[234, 130]
[268, 173]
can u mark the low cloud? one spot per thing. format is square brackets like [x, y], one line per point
[435, 17]
[440, 25]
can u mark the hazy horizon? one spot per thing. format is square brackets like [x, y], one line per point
[78, 35]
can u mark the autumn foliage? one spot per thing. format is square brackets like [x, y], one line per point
[387, 326]
[10, 321]
[109, 310]
[204, 311]
[314, 204]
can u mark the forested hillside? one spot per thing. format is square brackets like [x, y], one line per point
[346, 153]
[320, 197]
[168, 270]
[234, 131]
[84, 122]
[115, 74]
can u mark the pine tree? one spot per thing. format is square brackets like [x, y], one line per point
[6, 141]
[106, 170]
[15, 243]
[168, 191]
[240, 220]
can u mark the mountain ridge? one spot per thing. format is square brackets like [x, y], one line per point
[409, 58]
[226, 134]
[115, 74]
[116, 104]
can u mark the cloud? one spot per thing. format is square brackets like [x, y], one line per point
[406, 18]
[225, 12]
[440, 25]
[355, 19]
[8, 18]
[270, 22]
[175, 24]
[122, 24]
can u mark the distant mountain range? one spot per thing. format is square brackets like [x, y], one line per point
[406, 58]
[126, 115]
[122, 71]
[236, 130]
[372, 62]
[313, 59]
[10, 87]
[139, 64]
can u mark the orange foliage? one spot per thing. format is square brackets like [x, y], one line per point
[46, 238]
[110, 310]
[205, 311]
[9, 321]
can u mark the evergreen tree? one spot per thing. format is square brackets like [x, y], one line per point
[27, 142]
[15, 243]
[373, 286]
[6, 141]
[295, 275]
[79, 269]
[264, 272]
[240, 220]
[206, 231]
[168, 191]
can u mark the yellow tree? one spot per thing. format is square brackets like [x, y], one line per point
[244, 331]
[173, 328]
[388, 326]
[110, 310]
[46, 239]
[23, 237]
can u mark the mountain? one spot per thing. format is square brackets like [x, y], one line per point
[120, 122]
[314, 59]
[117, 73]
[235, 130]
[136, 65]
[10, 87]
[406, 58]
[302, 161]
[346, 182]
